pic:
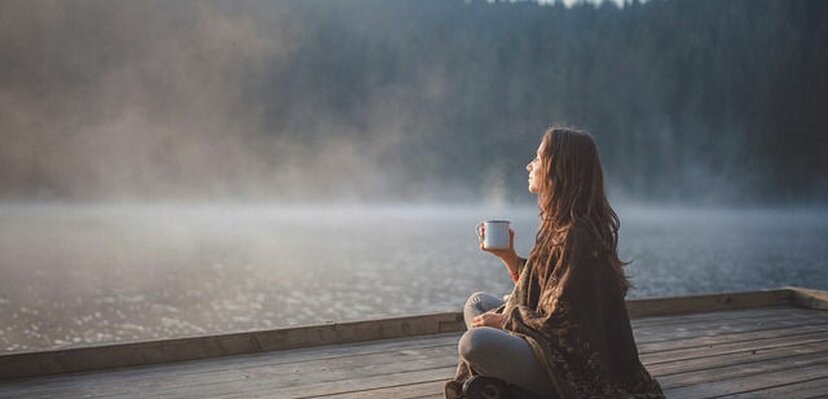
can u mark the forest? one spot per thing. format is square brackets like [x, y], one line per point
[690, 101]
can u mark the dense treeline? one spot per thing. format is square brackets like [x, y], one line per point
[700, 101]
[685, 97]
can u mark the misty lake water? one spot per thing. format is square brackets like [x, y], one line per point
[76, 275]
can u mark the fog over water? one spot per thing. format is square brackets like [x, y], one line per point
[92, 274]
[194, 167]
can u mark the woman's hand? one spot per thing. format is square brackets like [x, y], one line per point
[489, 319]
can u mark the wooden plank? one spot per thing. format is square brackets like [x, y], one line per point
[783, 370]
[812, 388]
[733, 324]
[648, 307]
[363, 384]
[253, 388]
[406, 391]
[275, 372]
[346, 350]
[654, 345]
[318, 382]
[744, 314]
[201, 367]
[713, 358]
[688, 348]
[354, 367]
[345, 386]
[809, 298]
[275, 377]
[25, 364]
[749, 383]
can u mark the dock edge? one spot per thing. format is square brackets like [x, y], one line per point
[109, 356]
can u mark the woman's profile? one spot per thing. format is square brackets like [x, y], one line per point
[564, 331]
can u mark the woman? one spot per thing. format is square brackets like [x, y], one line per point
[564, 330]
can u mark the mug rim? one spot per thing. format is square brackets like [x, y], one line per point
[497, 221]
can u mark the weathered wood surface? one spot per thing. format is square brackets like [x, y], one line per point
[93, 357]
[777, 351]
[88, 358]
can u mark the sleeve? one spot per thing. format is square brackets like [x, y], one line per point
[521, 264]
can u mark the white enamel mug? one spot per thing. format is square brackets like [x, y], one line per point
[496, 234]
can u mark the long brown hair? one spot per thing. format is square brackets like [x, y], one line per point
[570, 191]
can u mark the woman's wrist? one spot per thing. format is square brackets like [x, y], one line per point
[512, 261]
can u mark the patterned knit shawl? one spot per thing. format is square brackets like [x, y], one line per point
[577, 327]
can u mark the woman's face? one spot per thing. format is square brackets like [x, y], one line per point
[534, 169]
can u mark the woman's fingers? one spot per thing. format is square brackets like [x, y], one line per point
[481, 231]
[488, 319]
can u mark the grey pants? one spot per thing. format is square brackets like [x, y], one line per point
[492, 352]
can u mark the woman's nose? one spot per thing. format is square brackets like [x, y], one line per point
[529, 167]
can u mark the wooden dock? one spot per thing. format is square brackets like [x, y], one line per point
[762, 344]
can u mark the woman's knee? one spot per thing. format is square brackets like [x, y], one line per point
[495, 353]
[482, 301]
[477, 344]
[475, 299]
